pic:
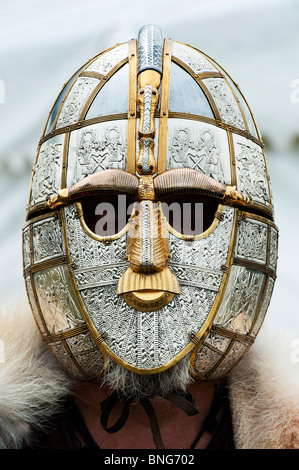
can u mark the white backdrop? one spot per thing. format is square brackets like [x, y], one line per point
[43, 42]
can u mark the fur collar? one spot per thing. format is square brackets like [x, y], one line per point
[32, 384]
[264, 394]
[264, 388]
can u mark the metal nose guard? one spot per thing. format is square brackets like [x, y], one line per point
[148, 284]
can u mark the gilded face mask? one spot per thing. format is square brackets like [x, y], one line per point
[153, 132]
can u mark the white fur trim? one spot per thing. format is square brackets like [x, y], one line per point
[264, 394]
[32, 384]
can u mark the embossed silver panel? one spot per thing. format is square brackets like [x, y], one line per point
[75, 101]
[109, 59]
[87, 252]
[205, 359]
[225, 101]
[264, 307]
[147, 339]
[241, 299]
[199, 146]
[273, 248]
[33, 305]
[209, 357]
[95, 148]
[247, 112]
[217, 342]
[59, 351]
[99, 276]
[230, 360]
[251, 241]
[86, 353]
[46, 179]
[47, 239]
[58, 102]
[26, 248]
[208, 254]
[57, 299]
[91, 362]
[251, 171]
[193, 58]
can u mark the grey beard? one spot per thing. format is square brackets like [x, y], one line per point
[129, 384]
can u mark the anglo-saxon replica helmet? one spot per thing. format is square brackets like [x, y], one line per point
[146, 126]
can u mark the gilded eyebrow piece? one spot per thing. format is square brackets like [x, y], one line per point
[117, 181]
[176, 181]
[187, 180]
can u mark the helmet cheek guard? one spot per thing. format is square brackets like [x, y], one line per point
[150, 231]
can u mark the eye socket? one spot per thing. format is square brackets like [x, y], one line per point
[108, 214]
[190, 214]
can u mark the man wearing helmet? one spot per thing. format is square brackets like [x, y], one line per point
[159, 308]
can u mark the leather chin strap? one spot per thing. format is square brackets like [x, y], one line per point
[184, 401]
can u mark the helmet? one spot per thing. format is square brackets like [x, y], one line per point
[157, 134]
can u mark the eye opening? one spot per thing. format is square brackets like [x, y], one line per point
[105, 216]
[189, 215]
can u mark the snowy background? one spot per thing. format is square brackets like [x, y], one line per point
[43, 42]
